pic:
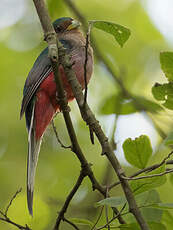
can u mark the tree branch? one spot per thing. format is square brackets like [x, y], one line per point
[86, 113]
[69, 198]
[115, 217]
[102, 59]
[71, 223]
[5, 217]
[149, 176]
[52, 41]
[57, 137]
[148, 169]
[90, 120]
[98, 218]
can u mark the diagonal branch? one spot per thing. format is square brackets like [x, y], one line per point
[57, 137]
[102, 59]
[69, 198]
[90, 120]
[5, 217]
[11, 201]
[52, 41]
[149, 176]
[148, 169]
[71, 223]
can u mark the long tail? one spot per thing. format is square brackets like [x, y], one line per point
[33, 153]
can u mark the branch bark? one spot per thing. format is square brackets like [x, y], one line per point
[51, 38]
[102, 59]
[86, 113]
[148, 169]
[91, 121]
[4, 215]
[69, 198]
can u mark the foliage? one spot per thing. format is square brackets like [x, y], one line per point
[120, 33]
[58, 168]
[137, 152]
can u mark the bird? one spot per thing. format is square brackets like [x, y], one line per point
[40, 103]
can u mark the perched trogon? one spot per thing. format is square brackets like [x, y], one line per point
[40, 102]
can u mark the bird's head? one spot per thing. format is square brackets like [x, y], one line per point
[65, 24]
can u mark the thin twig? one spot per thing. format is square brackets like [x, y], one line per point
[5, 217]
[102, 59]
[149, 176]
[71, 223]
[99, 216]
[87, 114]
[48, 28]
[106, 210]
[115, 217]
[69, 198]
[148, 169]
[57, 137]
[10, 203]
[90, 120]
[7, 220]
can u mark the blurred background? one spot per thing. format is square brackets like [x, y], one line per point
[136, 64]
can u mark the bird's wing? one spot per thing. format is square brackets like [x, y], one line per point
[40, 70]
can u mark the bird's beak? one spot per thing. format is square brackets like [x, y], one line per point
[74, 24]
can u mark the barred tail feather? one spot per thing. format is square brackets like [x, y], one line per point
[33, 153]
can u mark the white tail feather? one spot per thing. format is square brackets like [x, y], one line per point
[33, 153]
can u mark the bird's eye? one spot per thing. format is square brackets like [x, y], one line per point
[58, 29]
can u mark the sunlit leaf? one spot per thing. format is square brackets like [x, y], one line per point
[166, 60]
[164, 93]
[146, 184]
[120, 33]
[137, 152]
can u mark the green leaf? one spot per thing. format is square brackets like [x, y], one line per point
[120, 33]
[117, 104]
[135, 226]
[164, 93]
[142, 185]
[120, 105]
[149, 198]
[112, 201]
[137, 152]
[163, 206]
[166, 60]
[81, 221]
[146, 104]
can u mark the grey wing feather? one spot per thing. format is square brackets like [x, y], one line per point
[41, 70]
